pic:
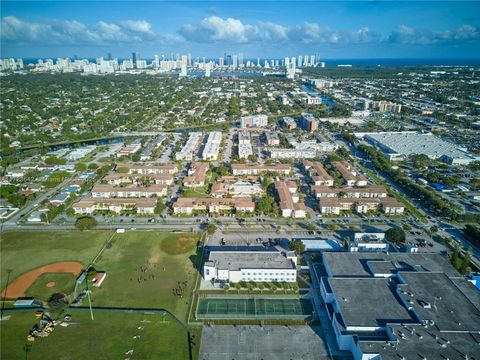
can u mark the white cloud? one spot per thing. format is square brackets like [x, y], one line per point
[59, 32]
[407, 35]
[216, 29]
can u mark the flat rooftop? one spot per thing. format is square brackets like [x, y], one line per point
[346, 264]
[417, 143]
[418, 342]
[250, 260]
[369, 302]
[435, 297]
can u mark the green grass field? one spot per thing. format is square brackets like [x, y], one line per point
[198, 192]
[145, 269]
[64, 283]
[109, 336]
[25, 251]
[167, 259]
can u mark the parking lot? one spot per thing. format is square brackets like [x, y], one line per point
[222, 342]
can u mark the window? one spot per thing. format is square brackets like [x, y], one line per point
[207, 272]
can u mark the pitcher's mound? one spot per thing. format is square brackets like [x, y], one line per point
[50, 284]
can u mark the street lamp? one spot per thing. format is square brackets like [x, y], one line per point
[5, 295]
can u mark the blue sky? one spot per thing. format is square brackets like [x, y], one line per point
[336, 29]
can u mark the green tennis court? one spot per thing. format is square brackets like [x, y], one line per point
[254, 308]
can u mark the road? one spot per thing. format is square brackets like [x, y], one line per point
[30, 206]
[451, 230]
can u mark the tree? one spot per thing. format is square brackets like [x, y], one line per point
[419, 161]
[70, 212]
[80, 166]
[211, 228]
[238, 287]
[222, 170]
[434, 229]
[465, 264]
[261, 286]
[92, 273]
[86, 223]
[226, 288]
[395, 235]
[53, 160]
[406, 227]
[159, 207]
[93, 166]
[332, 227]
[297, 246]
[265, 205]
[472, 232]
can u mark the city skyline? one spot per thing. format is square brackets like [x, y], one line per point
[333, 29]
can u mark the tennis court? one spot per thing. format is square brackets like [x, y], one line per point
[254, 308]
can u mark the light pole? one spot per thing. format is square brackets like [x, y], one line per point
[5, 295]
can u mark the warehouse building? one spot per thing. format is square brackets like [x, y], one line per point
[400, 145]
[418, 306]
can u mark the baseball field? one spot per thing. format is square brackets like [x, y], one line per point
[145, 269]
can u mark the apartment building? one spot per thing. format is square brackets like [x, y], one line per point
[212, 205]
[116, 205]
[253, 121]
[289, 123]
[187, 152]
[129, 149]
[257, 169]
[288, 199]
[149, 169]
[317, 173]
[244, 145]
[371, 191]
[276, 153]
[196, 175]
[109, 191]
[309, 122]
[272, 138]
[334, 205]
[118, 179]
[349, 174]
[212, 146]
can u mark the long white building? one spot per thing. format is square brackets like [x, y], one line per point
[244, 145]
[237, 266]
[276, 153]
[212, 146]
[190, 146]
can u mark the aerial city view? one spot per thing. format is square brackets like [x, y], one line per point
[240, 180]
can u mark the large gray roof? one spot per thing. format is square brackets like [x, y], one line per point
[236, 260]
[370, 302]
[347, 264]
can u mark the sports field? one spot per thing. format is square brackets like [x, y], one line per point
[145, 269]
[109, 336]
[254, 308]
[48, 283]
